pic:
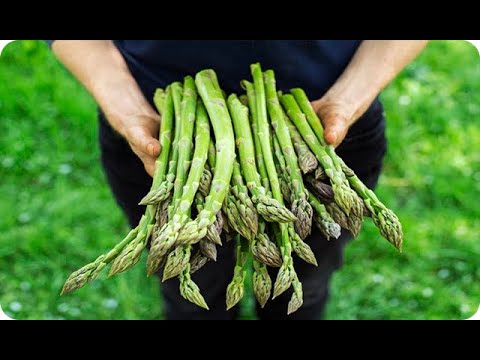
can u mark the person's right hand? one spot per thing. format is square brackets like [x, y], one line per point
[141, 132]
[100, 67]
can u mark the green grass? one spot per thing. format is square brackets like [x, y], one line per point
[57, 213]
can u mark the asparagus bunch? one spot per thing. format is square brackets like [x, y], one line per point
[260, 198]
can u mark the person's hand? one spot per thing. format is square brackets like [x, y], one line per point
[141, 132]
[336, 118]
[100, 67]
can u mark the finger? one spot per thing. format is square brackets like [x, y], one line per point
[143, 139]
[147, 160]
[335, 131]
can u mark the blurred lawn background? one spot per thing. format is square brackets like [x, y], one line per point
[57, 213]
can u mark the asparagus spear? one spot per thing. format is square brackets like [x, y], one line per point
[215, 230]
[234, 218]
[212, 97]
[264, 250]
[296, 301]
[171, 231]
[189, 290]
[130, 255]
[90, 272]
[286, 272]
[301, 248]
[323, 220]
[345, 197]
[299, 195]
[160, 191]
[385, 219]
[177, 260]
[245, 206]
[282, 171]
[252, 105]
[267, 207]
[262, 284]
[212, 235]
[236, 288]
[306, 159]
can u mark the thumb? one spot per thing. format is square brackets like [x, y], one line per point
[336, 127]
[142, 138]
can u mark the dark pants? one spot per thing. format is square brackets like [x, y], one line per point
[362, 151]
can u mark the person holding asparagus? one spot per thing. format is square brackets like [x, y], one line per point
[345, 79]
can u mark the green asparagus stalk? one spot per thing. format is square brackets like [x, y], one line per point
[130, 255]
[281, 166]
[245, 206]
[385, 219]
[312, 118]
[296, 301]
[301, 248]
[337, 215]
[90, 272]
[171, 231]
[323, 220]
[164, 103]
[220, 223]
[189, 290]
[236, 288]
[162, 186]
[212, 97]
[177, 260]
[252, 105]
[267, 207]
[286, 272]
[264, 250]
[299, 195]
[215, 230]
[262, 283]
[306, 159]
[345, 197]
[234, 218]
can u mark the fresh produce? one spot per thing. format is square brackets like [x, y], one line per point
[264, 177]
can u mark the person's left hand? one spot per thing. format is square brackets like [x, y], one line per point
[336, 117]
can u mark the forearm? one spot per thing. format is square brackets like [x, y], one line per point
[374, 65]
[100, 67]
